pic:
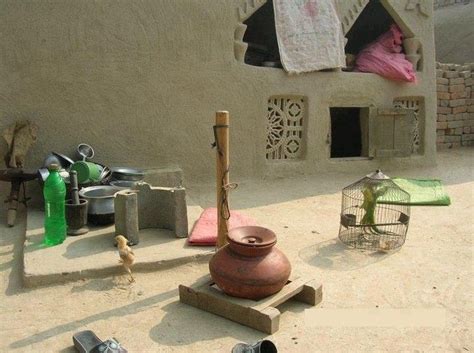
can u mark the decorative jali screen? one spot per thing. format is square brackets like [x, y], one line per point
[414, 104]
[285, 122]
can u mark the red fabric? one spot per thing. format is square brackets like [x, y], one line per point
[384, 57]
[205, 229]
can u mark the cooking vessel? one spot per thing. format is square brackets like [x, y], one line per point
[101, 199]
[128, 174]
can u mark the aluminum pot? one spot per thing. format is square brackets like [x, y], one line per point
[101, 199]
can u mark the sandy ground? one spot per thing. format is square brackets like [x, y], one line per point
[433, 270]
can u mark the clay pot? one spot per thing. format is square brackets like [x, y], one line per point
[250, 266]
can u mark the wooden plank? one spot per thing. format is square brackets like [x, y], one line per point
[260, 315]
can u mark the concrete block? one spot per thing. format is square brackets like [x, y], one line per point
[457, 102]
[456, 88]
[455, 124]
[456, 81]
[461, 109]
[441, 125]
[442, 88]
[444, 110]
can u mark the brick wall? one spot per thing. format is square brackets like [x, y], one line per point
[455, 119]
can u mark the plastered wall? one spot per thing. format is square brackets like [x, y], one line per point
[140, 82]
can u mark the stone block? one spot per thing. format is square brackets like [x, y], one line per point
[458, 131]
[459, 116]
[465, 74]
[443, 146]
[456, 81]
[442, 81]
[458, 95]
[442, 88]
[467, 137]
[440, 139]
[457, 102]
[461, 109]
[450, 117]
[466, 130]
[469, 81]
[470, 109]
[466, 116]
[456, 88]
[439, 73]
[451, 74]
[441, 132]
[455, 124]
[442, 125]
[444, 110]
[467, 143]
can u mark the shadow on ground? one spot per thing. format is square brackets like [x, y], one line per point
[334, 255]
[133, 308]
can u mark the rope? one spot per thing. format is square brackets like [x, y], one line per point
[225, 210]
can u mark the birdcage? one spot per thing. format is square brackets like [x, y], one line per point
[375, 214]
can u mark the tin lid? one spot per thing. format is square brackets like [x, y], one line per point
[252, 236]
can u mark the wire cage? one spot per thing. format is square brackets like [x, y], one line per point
[374, 214]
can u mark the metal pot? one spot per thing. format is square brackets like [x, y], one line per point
[128, 174]
[101, 199]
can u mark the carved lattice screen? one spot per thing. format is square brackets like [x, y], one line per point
[415, 104]
[285, 123]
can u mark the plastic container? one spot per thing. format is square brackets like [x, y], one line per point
[54, 192]
[87, 172]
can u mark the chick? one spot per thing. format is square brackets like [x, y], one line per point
[127, 257]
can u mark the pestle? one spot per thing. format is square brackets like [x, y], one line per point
[74, 188]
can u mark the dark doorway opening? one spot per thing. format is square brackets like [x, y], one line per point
[349, 132]
[261, 38]
[371, 23]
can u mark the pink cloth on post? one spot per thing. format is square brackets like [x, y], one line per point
[384, 57]
[205, 230]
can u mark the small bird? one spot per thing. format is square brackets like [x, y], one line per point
[127, 256]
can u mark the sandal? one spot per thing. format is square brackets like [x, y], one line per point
[88, 342]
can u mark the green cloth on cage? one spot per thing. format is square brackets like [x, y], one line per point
[423, 192]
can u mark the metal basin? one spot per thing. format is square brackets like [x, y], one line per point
[101, 199]
[128, 174]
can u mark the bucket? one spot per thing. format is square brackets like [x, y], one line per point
[86, 172]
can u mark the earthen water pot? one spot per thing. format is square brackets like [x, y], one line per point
[250, 266]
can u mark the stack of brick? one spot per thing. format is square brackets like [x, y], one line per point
[455, 120]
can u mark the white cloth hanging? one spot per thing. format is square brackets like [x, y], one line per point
[309, 35]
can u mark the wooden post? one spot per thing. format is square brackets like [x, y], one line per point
[222, 140]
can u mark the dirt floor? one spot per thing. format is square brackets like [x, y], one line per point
[433, 270]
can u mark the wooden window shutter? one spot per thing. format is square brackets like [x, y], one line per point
[390, 132]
